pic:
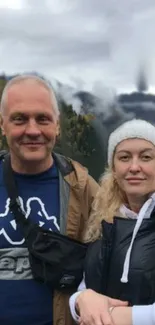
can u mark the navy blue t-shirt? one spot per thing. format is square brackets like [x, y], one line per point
[22, 299]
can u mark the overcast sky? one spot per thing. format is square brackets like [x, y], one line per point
[85, 43]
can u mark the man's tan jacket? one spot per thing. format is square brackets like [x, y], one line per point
[77, 192]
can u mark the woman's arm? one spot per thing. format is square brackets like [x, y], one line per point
[123, 316]
[136, 315]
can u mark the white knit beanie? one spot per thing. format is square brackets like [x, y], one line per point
[131, 129]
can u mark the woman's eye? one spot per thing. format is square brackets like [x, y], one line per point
[146, 157]
[124, 158]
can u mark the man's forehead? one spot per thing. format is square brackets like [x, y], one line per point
[29, 95]
[27, 86]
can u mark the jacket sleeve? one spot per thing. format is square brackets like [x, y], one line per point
[97, 260]
[94, 266]
[88, 194]
[72, 300]
[142, 315]
[91, 188]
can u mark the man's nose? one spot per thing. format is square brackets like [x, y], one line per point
[32, 128]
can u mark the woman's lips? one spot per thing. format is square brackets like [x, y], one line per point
[135, 180]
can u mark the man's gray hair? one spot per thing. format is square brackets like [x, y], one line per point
[23, 77]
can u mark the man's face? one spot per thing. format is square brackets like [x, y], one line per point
[29, 123]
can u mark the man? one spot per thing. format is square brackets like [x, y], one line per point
[54, 191]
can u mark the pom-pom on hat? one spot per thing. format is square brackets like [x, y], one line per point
[135, 128]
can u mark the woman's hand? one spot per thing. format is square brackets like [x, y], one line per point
[122, 315]
[93, 308]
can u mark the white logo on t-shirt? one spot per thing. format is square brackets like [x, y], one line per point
[42, 214]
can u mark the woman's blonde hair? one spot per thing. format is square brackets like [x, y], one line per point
[106, 205]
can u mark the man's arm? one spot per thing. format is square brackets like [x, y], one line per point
[89, 307]
[86, 204]
[92, 188]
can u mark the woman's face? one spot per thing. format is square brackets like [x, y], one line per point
[134, 167]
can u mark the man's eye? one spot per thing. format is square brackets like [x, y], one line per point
[18, 119]
[43, 119]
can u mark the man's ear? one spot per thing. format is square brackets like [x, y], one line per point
[58, 129]
[2, 124]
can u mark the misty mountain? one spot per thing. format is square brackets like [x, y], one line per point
[142, 105]
[136, 104]
[109, 113]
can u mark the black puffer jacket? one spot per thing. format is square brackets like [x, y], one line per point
[105, 261]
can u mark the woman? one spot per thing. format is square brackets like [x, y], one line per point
[120, 263]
